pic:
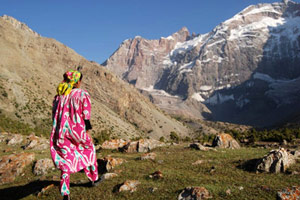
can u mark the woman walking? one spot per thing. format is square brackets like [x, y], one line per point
[71, 146]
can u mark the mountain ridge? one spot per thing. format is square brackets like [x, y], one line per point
[214, 70]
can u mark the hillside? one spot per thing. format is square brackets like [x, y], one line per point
[31, 66]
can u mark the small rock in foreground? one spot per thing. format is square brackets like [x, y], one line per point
[148, 156]
[129, 185]
[107, 176]
[289, 193]
[194, 193]
[16, 139]
[110, 162]
[156, 175]
[13, 165]
[42, 166]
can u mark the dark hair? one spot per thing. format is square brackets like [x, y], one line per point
[81, 75]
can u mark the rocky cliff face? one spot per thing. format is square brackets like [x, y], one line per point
[246, 70]
[31, 67]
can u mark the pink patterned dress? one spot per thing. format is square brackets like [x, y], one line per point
[71, 147]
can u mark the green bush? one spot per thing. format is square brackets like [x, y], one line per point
[162, 139]
[174, 137]
[187, 139]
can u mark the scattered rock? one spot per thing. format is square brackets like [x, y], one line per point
[225, 141]
[275, 161]
[129, 185]
[7, 150]
[142, 145]
[289, 193]
[198, 162]
[212, 169]
[156, 175]
[45, 189]
[130, 147]
[42, 166]
[228, 192]
[241, 188]
[295, 173]
[110, 162]
[146, 145]
[107, 176]
[160, 161]
[194, 193]
[3, 136]
[199, 146]
[148, 156]
[36, 143]
[152, 189]
[12, 165]
[15, 139]
[114, 144]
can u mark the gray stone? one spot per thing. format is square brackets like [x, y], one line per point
[42, 166]
[275, 161]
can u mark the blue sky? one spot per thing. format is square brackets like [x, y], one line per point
[96, 28]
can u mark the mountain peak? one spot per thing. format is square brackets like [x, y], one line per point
[18, 25]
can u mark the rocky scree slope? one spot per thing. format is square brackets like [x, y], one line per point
[245, 71]
[31, 67]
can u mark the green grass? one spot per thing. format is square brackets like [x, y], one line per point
[175, 162]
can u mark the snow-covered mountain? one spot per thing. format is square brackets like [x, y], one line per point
[246, 70]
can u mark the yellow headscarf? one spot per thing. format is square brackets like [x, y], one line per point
[70, 78]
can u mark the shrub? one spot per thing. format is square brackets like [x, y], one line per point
[187, 139]
[162, 139]
[174, 137]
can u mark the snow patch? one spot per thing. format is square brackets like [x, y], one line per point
[198, 97]
[158, 92]
[206, 87]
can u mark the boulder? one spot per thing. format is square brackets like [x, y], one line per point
[146, 145]
[198, 162]
[275, 161]
[289, 193]
[142, 146]
[42, 166]
[3, 136]
[107, 176]
[130, 147]
[36, 143]
[148, 156]
[15, 139]
[225, 140]
[194, 193]
[114, 144]
[156, 175]
[129, 185]
[200, 147]
[111, 163]
[13, 165]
